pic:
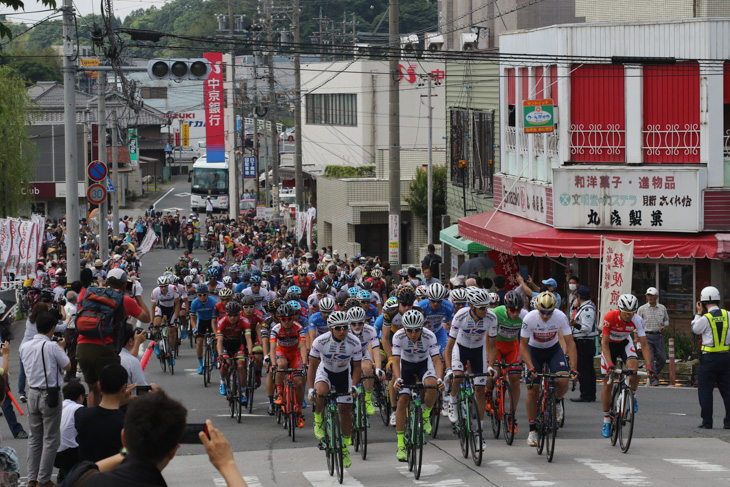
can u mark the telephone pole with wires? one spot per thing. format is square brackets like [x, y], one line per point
[298, 176]
[394, 215]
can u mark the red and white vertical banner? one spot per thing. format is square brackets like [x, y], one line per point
[506, 266]
[26, 235]
[32, 255]
[40, 221]
[617, 262]
[214, 120]
[310, 224]
[14, 263]
[6, 244]
[301, 225]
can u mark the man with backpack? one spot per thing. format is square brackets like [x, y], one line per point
[100, 323]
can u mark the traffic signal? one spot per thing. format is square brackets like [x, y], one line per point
[178, 69]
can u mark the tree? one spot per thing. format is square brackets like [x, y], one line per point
[16, 5]
[418, 196]
[17, 152]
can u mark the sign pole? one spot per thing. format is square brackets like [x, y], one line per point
[103, 225]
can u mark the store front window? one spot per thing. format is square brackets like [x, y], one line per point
[675, 282]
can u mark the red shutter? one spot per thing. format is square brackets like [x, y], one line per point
[525, 77]
[510, 86]
[539, 83]
[554, 84]
[597, 113]
[672, 113]
[726, 82]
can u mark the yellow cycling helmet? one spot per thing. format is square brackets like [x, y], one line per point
[546, 301]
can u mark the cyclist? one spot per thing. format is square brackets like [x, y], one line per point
[256, 321]
[332, 355]
[503, 342]
[202, 310]
[467, 345]
[439, 313]
[231, 329]
[225, 296]
[166, 302]
[416, 358]
[371, 312]
[321, 290]
[375, 299]
[287, 350]
[294, 293]
[318, 321]
[493, 300]
[618, 325]
[259, 294]
[370, 353]
[421, 293]
[265, 331]
[233, 273]
[539, 345]
[379, 287]
[320, 273]
[458, 298]
[304, 281]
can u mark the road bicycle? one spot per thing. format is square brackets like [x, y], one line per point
[503, 406]
[288, 409]
[360, 420]
[234, 391]
[436, 414]
[621, 413]
[547, 416]
[165, 354]
[469, 427]
[250, 379]
[381, 398]
[333, 443]
[209, 359]
[414, 436]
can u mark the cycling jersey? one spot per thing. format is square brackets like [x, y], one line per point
[166, 300]
[435, 318]
[287, 340]
[336, 356]
[618, 330]
[379, 326]
[544, 334]
[466, 332]
[204, 310]
[182, 291]
[305, 284]
[240, 287]
[260, 298]
[371, 314]
[233, 331]
[318, 323]
[409, 351]
[368, 336]
[506, 329]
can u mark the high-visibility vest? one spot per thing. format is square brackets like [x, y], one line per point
[719, 324]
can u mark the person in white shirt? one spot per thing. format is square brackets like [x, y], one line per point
[208, 206]
[70, 334]
[68, 453]
[312, 211]
[122, 227]
[128, 356]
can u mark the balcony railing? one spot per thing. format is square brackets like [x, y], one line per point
[511, 139]
[596, 139]
[672, 142]
[726, 145]
[551, 147]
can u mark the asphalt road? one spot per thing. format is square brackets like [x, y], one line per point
[667, 448]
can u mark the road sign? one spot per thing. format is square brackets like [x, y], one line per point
[96, 171]
[249, 168]
[109, 186]
[133, 148]
[96, 194]
[168, 148]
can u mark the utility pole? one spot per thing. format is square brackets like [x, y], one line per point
[233, 198]
[298, 177]
[103, 225]
[430, 163]
[115, 170]
[274, 150]
[256, 127]
[394, 223]
[71, 166]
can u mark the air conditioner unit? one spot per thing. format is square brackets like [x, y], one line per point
[434, 41]
[409, 43]
[468, 41]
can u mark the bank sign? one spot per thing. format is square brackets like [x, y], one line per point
[538, 116]
[628, 199]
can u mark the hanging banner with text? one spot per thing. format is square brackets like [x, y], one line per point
[213, 97]
[506, 266]
[147, 242]
[524, 198]
[133, 148]
[617, 263]
[628, 199]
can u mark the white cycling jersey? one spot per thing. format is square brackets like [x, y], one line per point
[260, 298]
[427, 346]
[544, 334]
[469, 334]
[336, 356]
[369, 335]
[167, 300]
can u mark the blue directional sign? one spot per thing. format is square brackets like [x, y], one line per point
[109, 186]
[168, 148]
[249, 168]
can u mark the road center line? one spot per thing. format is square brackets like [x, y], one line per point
[163, 197]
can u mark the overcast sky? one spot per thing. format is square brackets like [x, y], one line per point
[122, 8]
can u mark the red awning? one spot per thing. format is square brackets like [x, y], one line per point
[723, 245]
[518, 236]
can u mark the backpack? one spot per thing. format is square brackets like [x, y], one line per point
[101, 313]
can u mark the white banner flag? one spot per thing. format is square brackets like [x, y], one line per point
[617, 263]
[149, 240]
[6, 240]
[14, 263]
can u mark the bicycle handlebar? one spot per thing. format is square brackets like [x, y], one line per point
[332, 395]
[289, 371]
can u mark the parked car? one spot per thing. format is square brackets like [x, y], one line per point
[189, 155]
[287, 135]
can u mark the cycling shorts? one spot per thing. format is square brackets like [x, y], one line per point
[552, 356]
[476, 357]
[203, 328]
[293, 358]
[168, 311]
[233, 348]
[339, 382]
[510, 351]
[414, 372]
[624, 349]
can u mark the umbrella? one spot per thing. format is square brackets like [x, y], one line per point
[476, 265]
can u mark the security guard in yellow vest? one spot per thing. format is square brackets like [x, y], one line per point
[712, 323]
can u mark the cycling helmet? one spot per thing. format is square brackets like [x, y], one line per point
[295, 306]
[202, 289]
[546, 301]
[234, 269]
[436, 291]
[225, 293]
[392, 301]
[403, 273]
[533, 302]
[337, 285]
[227, 280]
[246, 275]
[406, 295]
[255, 280]
[193, 271]
[364, 296]
[332, 268]
[421, 292]
[266, 270]
[493, 299]
[513, 300]
[356, 314]
[350, 278]
[628, 303]
[326, 305]
[212, 271]
[282, 292]
[352, 303]
[338, 318]
[248, 300]
[256, 272]
[413, 320]
[303, 269]
[328, 280]
[342, 296]
[162, 281]
[321, 267]
[265, 285]
[167, 269]
[294, 290]
[322, 287]
[376, 274]
[367, 285]
[195, 260]
[352, 291]
[271, 306]
[189, 280]
[233, 308]
[184, 272]
[478, 297]
[285, 310]
[459, 295]
[275, 269]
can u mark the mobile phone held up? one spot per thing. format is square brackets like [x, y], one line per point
[143, 390]
[190, 436]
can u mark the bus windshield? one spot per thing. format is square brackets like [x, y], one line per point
[210, 181]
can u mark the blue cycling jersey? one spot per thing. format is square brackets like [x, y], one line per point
[379, 326]
[318, 323]
[435, 318]
[371, 315]
[241, 286]
[204, 310]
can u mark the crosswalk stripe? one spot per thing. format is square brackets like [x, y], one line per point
[697, 464]
[429, 470]
[521, 473]
[321, 478]
[616, 472]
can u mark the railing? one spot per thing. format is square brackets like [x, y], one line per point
[596, 139]
[551, 146]
[511, 141]
[671, 141]
[524, 143]
[726, 145]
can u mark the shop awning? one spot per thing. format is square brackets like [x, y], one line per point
[723, 245]
[450, 236]
[517, 236]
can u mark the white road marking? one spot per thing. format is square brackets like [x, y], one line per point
[616, 472]
[322, 478]
[163, 197]
[252, 481]
[182, 195]
[521, 473]
[428, 470]
[678, 414]
[171, 210]
[697, 464]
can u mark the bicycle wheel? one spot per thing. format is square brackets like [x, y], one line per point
[463, 425]
[540, 423]
[475, 425]
[508, 412]
[328, 448]
[417, 442]
[171, 356]
[384, 404]
[625, 420]
[291, 407]
[561, 423]
[337, 445]
[237, 392]
[436, 415]
[496, 410]
[229, 393]
[190, 334]
[355, 432]
[363, 433]
[162, 347]
[408, 437]
[250, 383]
[206, 360]
[551, 427]
[211, 361]
[615, 413]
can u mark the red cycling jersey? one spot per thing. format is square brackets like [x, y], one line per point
[233, 331]
[257, 318]
[618, 330]
[287, 340]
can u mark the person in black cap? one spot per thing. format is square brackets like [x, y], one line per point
[583, 320]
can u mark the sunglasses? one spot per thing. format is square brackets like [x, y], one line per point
[234, 315]
[410, 330]
[340, 328]
[405, 304]
[357, 323]
[437, 301]
[545, 312]
[225, 300]
[481, 308]
[248, 307]
[514, 310]
[459, 303]
[287, 318]
[202, 295]
[628, 313]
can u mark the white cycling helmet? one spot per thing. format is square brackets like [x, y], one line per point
[421, 292]
[459, 295]
[227, 280]
[478, 297]
[493, 299]
[338, 318]
[628, 303]
[189, 280]
[327, 304]
[162, 281]
[413, 320]
[356, 314]
[436, 291]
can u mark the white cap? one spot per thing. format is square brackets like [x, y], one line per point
[117, 274]
[652, 291]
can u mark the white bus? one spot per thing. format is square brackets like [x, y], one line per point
[209, 179]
